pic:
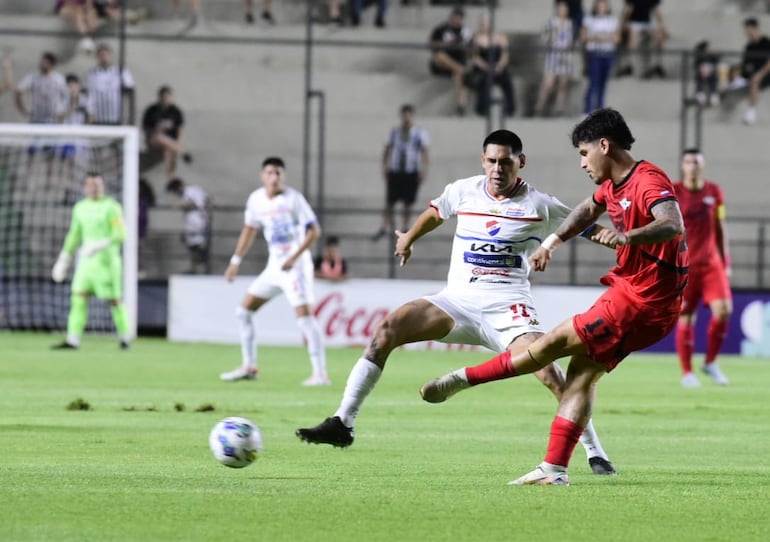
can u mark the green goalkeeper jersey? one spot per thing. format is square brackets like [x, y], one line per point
[96, 220]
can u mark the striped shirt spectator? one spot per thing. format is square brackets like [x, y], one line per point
[105, 89]
[406, 146]
[46, 89]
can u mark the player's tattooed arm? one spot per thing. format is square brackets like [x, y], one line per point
[668, 224]
[582, 216]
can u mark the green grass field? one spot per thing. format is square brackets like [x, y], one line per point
[694, 464]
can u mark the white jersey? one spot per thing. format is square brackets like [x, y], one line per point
[494, 238]
[283, 220]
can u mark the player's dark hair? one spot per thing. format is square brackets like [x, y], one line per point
[273, 161]
[51, 58]
[691, 150]
[752, 22]
[93, 173]
[603, 123]
[407, 108]
[504, 138]
[332, 241]
[165, 89]
[174, 185]
[72, 78]
[459, 11]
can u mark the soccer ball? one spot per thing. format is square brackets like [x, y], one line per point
[235, 442]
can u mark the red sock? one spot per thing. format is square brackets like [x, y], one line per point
[716, 336]
[564, 437]
[685, 345]
[497, 368]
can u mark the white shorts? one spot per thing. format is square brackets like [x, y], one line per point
[296, 284]
[493, 325]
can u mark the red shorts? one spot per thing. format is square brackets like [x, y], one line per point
[705, 283]
[617, 325]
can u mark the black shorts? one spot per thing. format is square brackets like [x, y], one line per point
[402, 187]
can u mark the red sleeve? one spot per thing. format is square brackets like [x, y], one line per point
[655, 189]
[600, 196]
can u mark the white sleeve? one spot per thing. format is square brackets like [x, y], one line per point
[303, 212]
[250, 215]
[448, 202]
[556, 212]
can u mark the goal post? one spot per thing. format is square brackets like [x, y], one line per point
[42, 167]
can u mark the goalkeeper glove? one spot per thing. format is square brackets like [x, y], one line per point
[89, 249]
[59, 271]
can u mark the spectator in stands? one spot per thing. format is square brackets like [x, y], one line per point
[450, 42]
[331, 265]
[196, 205]
[356, 6]
[491, 48]
[110, 10]
[404, 165]
[82, 15]
[6, 65]
[706, 79]
[73, 112]
[106, 85]
[575, 11]
[643, 17]
[755, 67]
[146, 200]
[267, 15]
[600, 35]
[558, 40]
[163, 124]
[47, 90]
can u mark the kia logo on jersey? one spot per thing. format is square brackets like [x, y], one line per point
[493, 227]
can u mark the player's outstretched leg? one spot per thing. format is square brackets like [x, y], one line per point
[440, 389]
[76, 323]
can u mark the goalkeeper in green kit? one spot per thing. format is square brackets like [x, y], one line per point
[96, 232]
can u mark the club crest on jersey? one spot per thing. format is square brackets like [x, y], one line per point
[493, 227]
[625, 203]
[709, 200]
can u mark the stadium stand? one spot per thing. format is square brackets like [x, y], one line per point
[243, 86]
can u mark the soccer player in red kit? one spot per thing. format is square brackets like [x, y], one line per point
[703, 208]
[640, 307]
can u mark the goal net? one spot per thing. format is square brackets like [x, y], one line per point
[42, 169]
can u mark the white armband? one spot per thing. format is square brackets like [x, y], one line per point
[235, 260]
[552, 242]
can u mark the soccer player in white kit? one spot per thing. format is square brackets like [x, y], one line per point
[290, 228]
[501, 220]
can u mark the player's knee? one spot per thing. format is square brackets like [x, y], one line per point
[243, 314]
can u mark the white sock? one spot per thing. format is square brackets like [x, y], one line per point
[315, 346]
[248, 337]
[73, 339]
[362, 379]
[590, 441]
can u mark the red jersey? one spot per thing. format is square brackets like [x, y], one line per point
[700, 209]
[650, 273]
